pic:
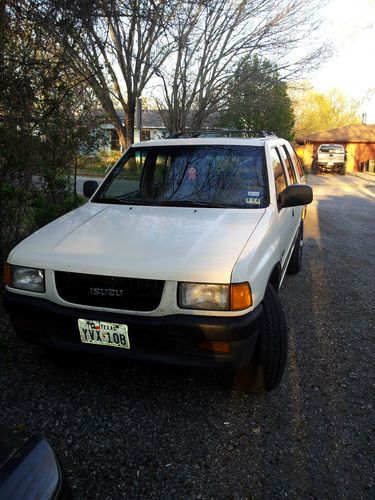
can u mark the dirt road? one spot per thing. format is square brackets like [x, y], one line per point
[135, 431]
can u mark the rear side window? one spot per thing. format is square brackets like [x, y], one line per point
[278, 171]
[296, 162]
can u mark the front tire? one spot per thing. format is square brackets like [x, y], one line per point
[265, 370]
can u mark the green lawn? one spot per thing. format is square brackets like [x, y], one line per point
[97, 165]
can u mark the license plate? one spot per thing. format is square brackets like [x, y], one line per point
[103, 333]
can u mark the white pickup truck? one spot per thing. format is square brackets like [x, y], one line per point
[176, 258]
[330, 158]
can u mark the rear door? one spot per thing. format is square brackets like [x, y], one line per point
[290, 217]
[286, 216]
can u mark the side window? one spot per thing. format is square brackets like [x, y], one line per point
[278, 171]
[288, 164]
[296, 162]
[128, 177]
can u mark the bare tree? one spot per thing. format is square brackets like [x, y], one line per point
[116, 45]
[192, 46]
[211, 37]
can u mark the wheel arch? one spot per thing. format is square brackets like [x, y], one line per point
[274, 278]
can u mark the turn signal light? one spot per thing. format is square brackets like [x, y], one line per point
[218, 347]
[240, 297]
[7, 274]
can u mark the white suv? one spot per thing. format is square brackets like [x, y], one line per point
[176, 258]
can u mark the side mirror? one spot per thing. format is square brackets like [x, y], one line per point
[296, 195]
[89, 188]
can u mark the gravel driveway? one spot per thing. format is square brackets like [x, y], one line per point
[139, 431]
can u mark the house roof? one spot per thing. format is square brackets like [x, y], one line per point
[152, 118]
[350, 133]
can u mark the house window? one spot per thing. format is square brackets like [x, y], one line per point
[146, 135]
[115, 143]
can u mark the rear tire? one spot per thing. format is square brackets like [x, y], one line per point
[315, 168]
[342, 170]
[265, 370]
[295, 262]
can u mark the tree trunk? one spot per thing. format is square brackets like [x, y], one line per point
[121, 134]
[110, 110]
[129, 121]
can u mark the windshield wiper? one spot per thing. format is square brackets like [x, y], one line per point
[192, 203]
[119, 201]
[164, 203]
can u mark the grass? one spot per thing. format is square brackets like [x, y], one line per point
[97, 164]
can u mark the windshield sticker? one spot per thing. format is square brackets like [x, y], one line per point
[253, 201]
[253, 194]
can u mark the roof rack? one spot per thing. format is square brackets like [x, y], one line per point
[222, 133]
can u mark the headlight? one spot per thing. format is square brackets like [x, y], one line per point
[25, 278]
[214, 297]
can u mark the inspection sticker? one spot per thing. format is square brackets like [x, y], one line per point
[253, 201]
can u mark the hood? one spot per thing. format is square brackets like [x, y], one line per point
[168, 243]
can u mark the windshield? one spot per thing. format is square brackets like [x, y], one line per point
[213, 176]
[331, 148]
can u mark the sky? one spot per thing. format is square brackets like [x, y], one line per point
[350, 24]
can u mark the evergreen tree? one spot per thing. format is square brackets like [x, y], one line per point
[258, 99]
[46, 119]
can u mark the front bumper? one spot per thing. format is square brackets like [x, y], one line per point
[170, 339]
